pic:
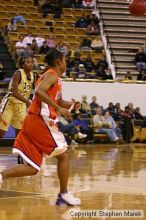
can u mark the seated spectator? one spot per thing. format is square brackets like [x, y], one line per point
[93, 29]
[51, 42]
[77, 3]
[118, 110]
[94, 105]
[93, 17]
[89, 3]
[39, 40]
[107, 75]
[2, 74]
[11, 26]
[82, 22]
[84, 127]
[34, 47]
[63, 48]
[57, 9]
[97, 44]
[102, 63]
[128, 76]
[86, 44]
[111, 108]
[106, 124]
[130, 105]
[140, 59]
[28, 52]
[80, 72]
[89, 64]
[20, 47]
[85, 106]
[28, 39]
[137, 114]
[44, 48]
[68, 127]
[100, 74]
[46, 8]
[142, 75]
[74, 51]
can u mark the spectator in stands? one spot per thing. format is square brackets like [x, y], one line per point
[140, 59]
[77, 3]
[84, 125]
[46, 8]
[1, 72]
[67, 127]
[34, 47]
[97, 44]
[89, 3]
[111, 108]
[28, 52]
[93, 105]
[82, 22]
[81, 72]
[118, 110]
[28, 39]
[106, 124]
[57, 9]
[11, 26]
[128, 76]
[142, 75]
[86, 44]
[102, 74]
[137, 114]
[93, 17]
[44, 48]
[85, 106]
[20, 47]
[51, 42]
[131, 108]
[88, 63]
[39, 40]
[63, 48]
[74, 51]
[92, 29]
[127, 125]
[107, 74]
[102, 63]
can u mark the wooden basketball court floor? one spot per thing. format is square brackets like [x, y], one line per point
[104, 177]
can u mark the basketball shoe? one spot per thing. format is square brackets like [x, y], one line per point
[67, 199]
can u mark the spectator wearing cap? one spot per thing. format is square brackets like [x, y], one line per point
[81, 73]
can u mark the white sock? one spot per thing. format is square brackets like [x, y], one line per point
[1, 177]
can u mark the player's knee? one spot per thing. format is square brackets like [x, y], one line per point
[63, 156]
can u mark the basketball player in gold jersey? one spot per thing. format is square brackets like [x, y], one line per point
[14, 104]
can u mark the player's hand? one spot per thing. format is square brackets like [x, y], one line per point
[64, 112]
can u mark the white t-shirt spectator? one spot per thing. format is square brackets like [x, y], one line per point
[39, 41]
[20, 45]
[28, 39]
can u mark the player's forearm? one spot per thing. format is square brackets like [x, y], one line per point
[43, 96]
[65, 104]
[20, 97]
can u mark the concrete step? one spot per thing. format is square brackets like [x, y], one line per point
[129, 36]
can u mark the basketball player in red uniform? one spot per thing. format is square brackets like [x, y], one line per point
[40, 134]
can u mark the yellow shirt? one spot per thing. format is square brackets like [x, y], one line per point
[24, 87]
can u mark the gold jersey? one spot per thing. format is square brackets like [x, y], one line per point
[24, 87]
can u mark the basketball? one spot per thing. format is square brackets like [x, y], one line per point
[137, 7]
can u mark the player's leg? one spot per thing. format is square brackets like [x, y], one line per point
[19, 171]
[63, 171]
[64, 197]
[2, 133]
